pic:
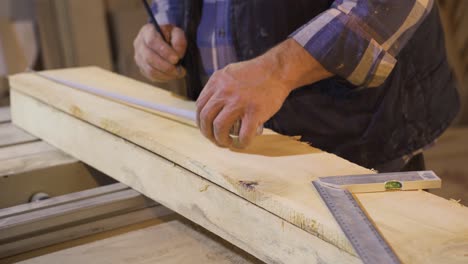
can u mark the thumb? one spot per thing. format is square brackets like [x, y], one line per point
[247, 132]
[166, 30]
[179, 41]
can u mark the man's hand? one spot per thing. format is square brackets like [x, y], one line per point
[243, 91]
[253, 91]
[155, 57]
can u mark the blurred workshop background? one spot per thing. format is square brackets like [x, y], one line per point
[50, 34]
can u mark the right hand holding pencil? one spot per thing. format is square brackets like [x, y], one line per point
[156, 58]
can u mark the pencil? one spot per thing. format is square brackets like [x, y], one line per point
[153, 20]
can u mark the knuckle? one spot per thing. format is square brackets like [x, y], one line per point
[218, 126]
[153, 73]
[150, 60]
[252, 107]
[225, 91]
[203, 116]
[147, 74]
[152, 42]
[163, 51]
[216, 74]
[163, 68]
[167, 68]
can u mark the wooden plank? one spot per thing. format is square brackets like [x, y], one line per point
[14, 59]
[54, 201]
[83, 46]
[274, 173]
[22, 150]
[4, 114]
[83, 229]
[455, 21]
[31, 156]
[71, 216]
[93, 231]
[28, 168]
[24, 225]
[12, 135]
[47, 25]
[448, 158]
[73, 33]
[18, 187]
[167, 243]
[242, 223]
[125, 20]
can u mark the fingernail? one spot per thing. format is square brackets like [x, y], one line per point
[174, 59]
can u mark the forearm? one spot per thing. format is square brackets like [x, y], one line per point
[359, 40]
[291, 66]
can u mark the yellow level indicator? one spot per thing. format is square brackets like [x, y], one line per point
[381, 182]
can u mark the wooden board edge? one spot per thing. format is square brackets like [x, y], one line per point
[62, 199]
[81, 230]
[242, 223]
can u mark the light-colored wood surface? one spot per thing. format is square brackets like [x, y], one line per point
[25, 150]
[54, 201]
[34, 167]
[4, 114]
[233, 218]
[12, 58]
[169, 242]
[449, 159]
[34, 225]
[454, 16]
[12, 135]
[73, 33]
[28, 165]
[273, 174]
[14, 226]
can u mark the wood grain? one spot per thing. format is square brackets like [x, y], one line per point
[167, 243]
[245, 225]
[12, 135]
[455, 21]
[449, 159]
[58, 219]
[273, 174]
[4, 114]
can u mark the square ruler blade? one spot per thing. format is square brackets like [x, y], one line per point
[337, 193]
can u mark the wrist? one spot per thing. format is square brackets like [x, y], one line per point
[290, 65]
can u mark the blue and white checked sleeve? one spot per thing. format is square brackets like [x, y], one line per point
[359, 39]
[168, 11]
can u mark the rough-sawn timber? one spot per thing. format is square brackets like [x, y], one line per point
[260, 199]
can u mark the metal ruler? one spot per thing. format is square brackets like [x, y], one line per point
[337, 193]
[187, 114]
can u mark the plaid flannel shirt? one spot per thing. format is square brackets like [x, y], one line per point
[355, 39]
[358, 40]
